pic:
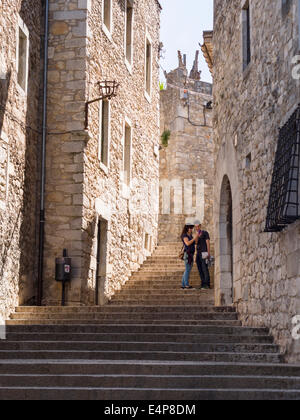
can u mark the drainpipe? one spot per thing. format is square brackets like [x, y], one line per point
[43, 162]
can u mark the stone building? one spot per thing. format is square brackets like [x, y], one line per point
[20, 75]
[103, 168]
[102, 158]
[186, 160]
[256, 93]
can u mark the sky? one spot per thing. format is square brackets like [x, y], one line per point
[182, 26]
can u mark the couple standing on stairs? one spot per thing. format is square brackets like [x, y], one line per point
[194, 237]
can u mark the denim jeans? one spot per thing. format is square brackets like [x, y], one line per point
[203, 270]
[186, 275]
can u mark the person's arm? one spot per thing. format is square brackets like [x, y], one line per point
[187, 242]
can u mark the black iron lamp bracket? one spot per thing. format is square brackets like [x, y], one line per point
[108, 90]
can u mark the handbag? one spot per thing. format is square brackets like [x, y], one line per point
[181, 255]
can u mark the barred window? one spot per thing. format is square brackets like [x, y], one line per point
[284, 203]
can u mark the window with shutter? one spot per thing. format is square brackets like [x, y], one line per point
[104, 132]
[107, 14]
[129, 32]
[148, 69]
[246, 28]
[127, 154]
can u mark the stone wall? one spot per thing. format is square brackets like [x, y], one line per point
[81, 191]
[249, 107]
[19, 137]
[66, 142]
[189, 154]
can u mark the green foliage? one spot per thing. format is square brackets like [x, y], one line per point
[161, 86]
[165, 138]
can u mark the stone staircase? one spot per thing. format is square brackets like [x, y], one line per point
[153, 341]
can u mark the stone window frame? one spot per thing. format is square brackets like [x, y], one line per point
[22, 26]
[246, 5]
[126, 187]
[128, 63]
[103, 166]
[4, 139]
[108, 31]
[148, 41]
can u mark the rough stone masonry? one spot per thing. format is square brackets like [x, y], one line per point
[20, 50]
[256, 270]
[87, 189]
[84, 187]
[187, 162]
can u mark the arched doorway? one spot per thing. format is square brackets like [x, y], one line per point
[226, 243]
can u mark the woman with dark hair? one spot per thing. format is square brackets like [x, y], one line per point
[189, 252]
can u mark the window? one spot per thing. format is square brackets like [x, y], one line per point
[286, 5]
[148, 242]
[127, 154]
[246, 35]
[148, 67]
[104, 133]
[248, 161]
[22, 55]
[284, 202]
[129, 32]
[107, 14]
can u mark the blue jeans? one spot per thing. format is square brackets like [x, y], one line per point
[186, 275]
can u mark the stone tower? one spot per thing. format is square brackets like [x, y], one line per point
[186, 163]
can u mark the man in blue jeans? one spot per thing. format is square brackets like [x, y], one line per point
[203, 255]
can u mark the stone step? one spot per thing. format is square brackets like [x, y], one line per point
[172, 292]
[124, 320]
[165, 261]
[159, 292]
[183, 303]
[164, 265]
[150, 337]
[151, 381]
[111, 309]
[160, 300]
[145, 284]
[177, 295]
[159, 276]
[115, 367]
[157, 394]
[138, 329]
[136, 346]
[197, 316]
[182, 355]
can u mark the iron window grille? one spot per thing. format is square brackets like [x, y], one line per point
[284, 203]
